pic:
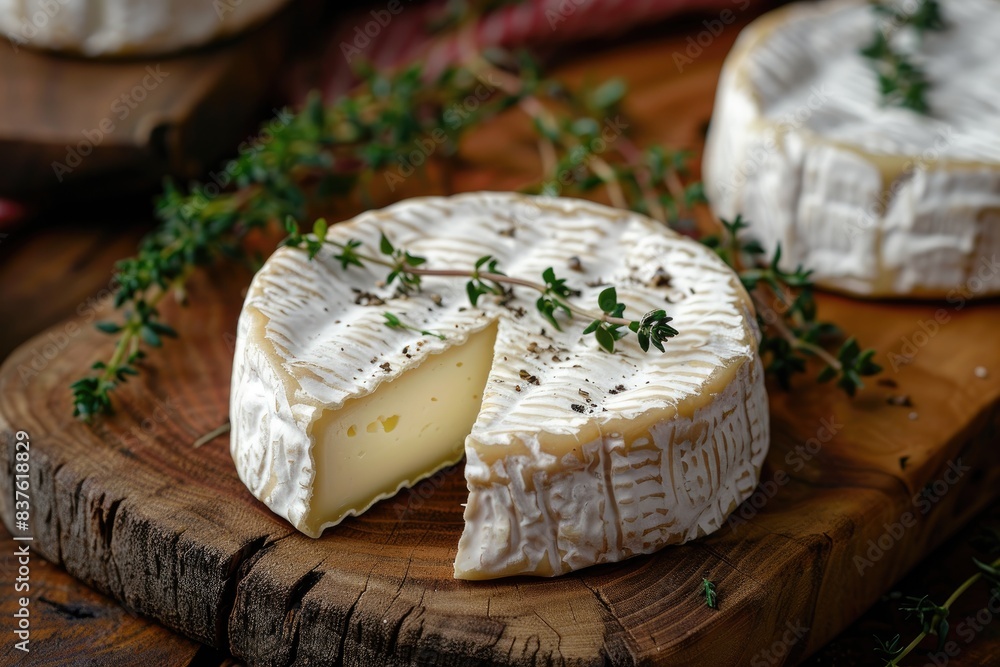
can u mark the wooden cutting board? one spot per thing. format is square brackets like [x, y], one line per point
[73, 125]
[128, 506]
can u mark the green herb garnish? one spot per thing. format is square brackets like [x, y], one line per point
[406, 272]
[901, 81]
[708, 592]
[388, 128]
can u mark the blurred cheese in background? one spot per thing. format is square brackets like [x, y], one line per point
[127, 27]
[879, 201]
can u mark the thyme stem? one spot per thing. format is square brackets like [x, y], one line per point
[510, 280]
[785, 332]
[323, 154]
[482, 275]
[968, 583]
[128, 343]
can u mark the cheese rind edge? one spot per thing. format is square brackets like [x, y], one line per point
[877, 202]
[555, 406]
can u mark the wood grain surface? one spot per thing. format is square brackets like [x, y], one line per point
[72, 624]
[129, 507]
[975, 630]
[77, 124]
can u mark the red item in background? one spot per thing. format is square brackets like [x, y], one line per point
[11, 214]
[394, 32]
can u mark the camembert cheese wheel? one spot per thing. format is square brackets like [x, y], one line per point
[574, 456]
[127, 27]
[878, 201]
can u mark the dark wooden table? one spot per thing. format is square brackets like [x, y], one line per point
[54, 266]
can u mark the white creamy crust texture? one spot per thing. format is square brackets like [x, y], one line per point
[877, 201]
[127, 27]
[576, 456]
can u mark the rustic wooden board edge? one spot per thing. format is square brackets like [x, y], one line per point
[88, 526]
[202, 103]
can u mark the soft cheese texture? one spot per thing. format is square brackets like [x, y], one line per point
[127, 27]
[878, 201]
[374, 445]
[574, 456]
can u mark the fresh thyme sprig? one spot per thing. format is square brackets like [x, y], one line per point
[652, 182]
[926, 17]
[933, 618]
[393, 321]
[890, 648]
[406, 271]
[583, 142]
[787, 313]
[311, 160]
[901, 82]
[324, 156]
[708, 592]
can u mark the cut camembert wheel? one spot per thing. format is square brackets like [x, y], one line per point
[574, 456]
[877, 201]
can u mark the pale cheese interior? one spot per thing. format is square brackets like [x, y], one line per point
[401, 433]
